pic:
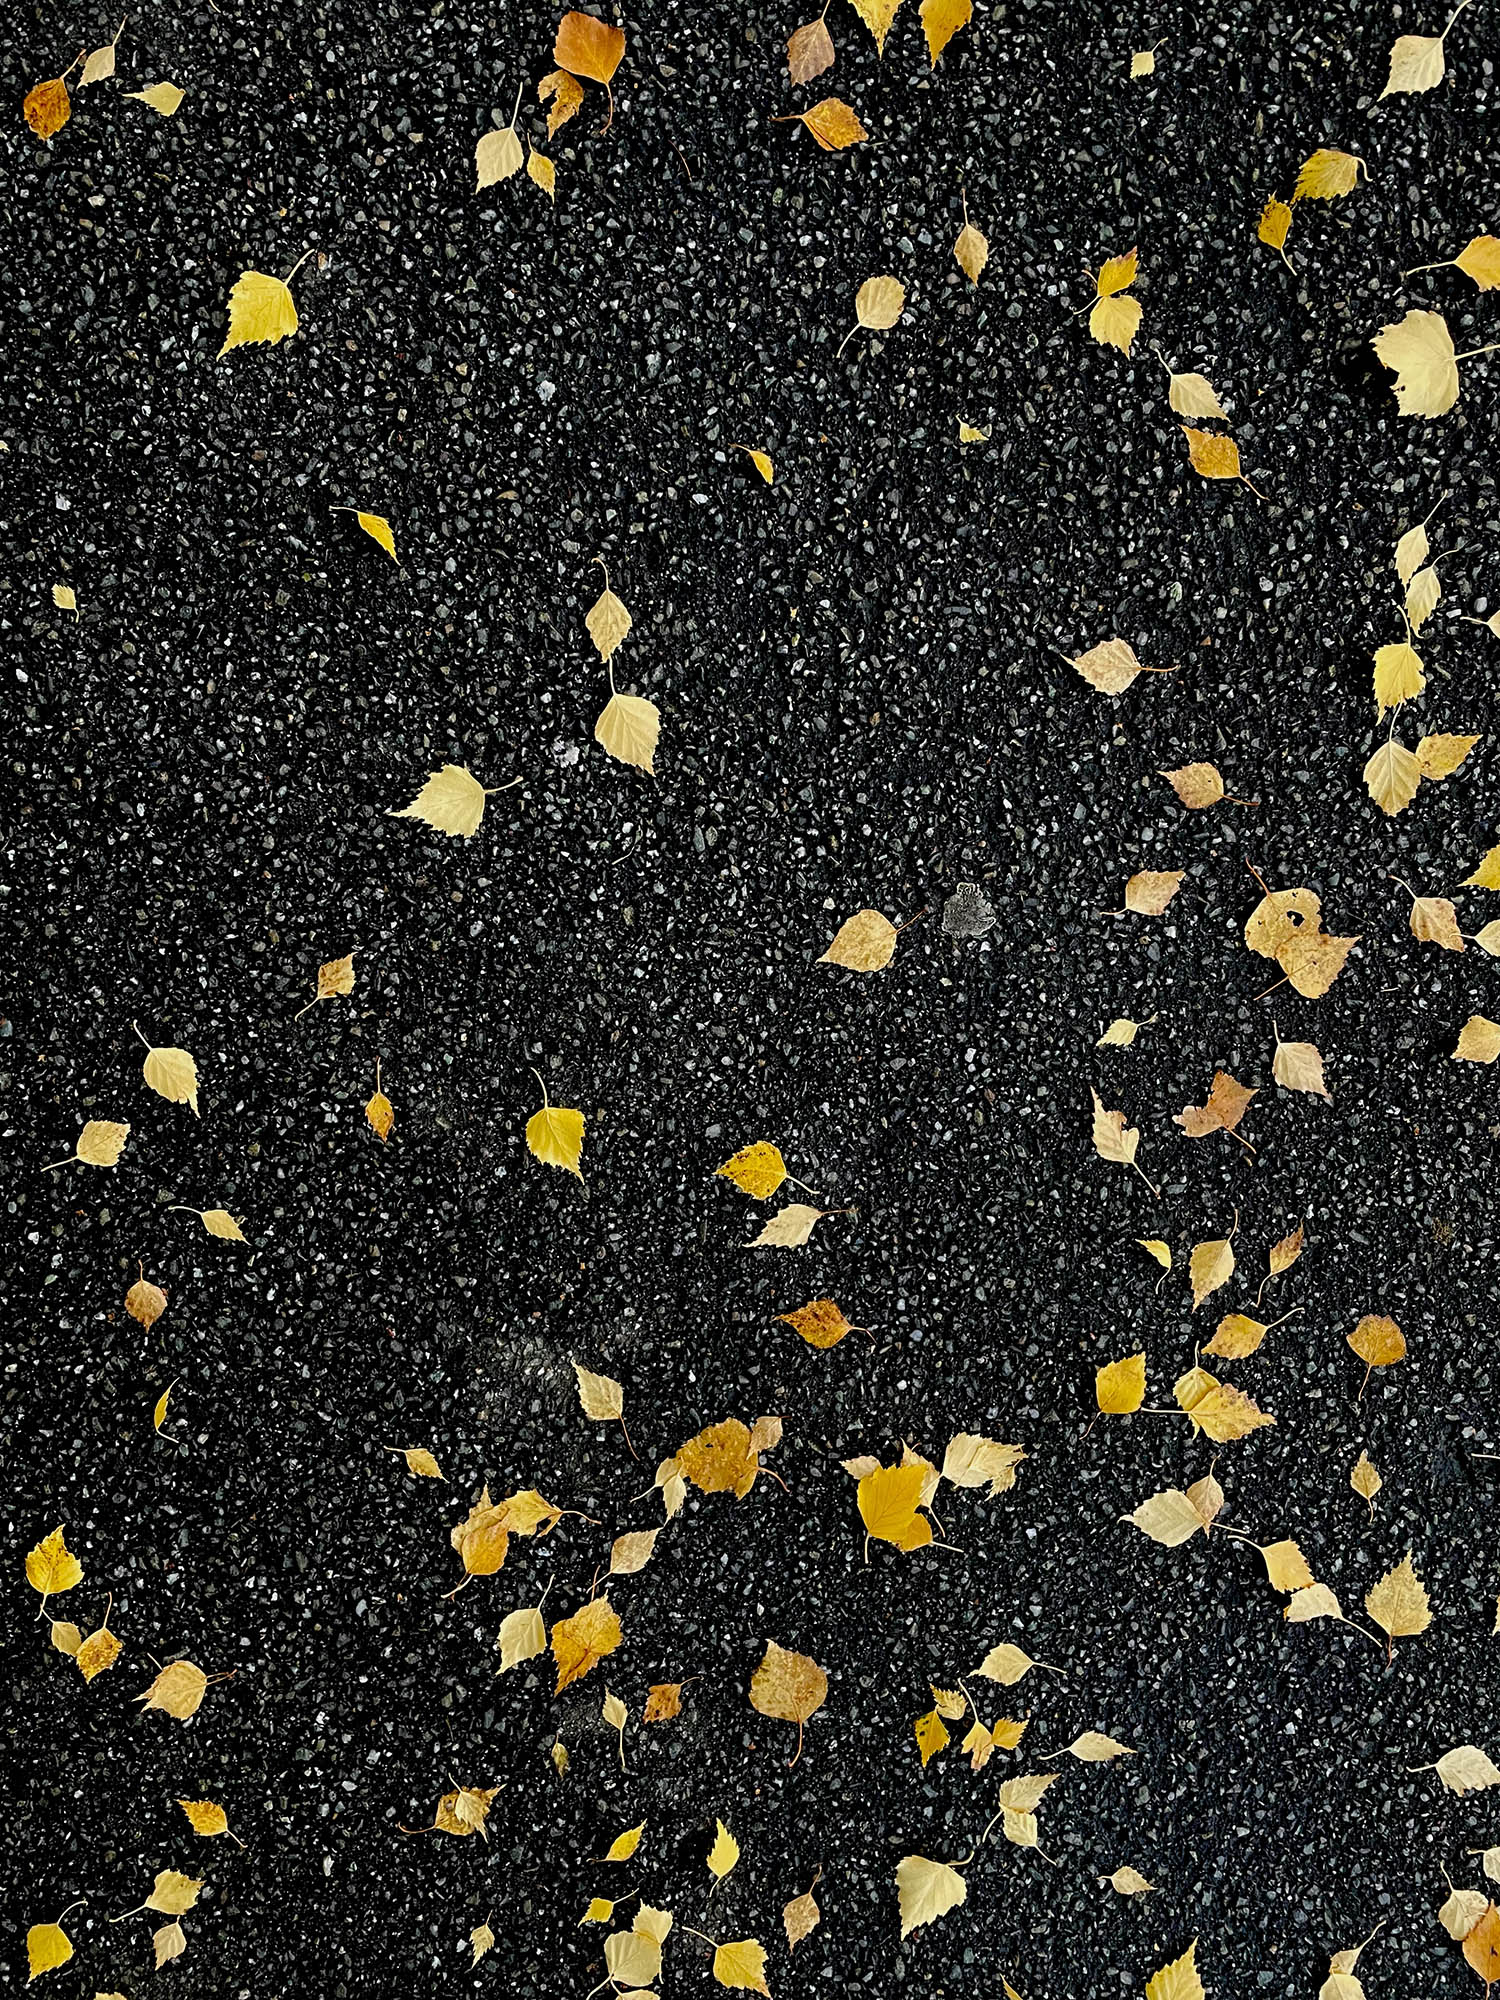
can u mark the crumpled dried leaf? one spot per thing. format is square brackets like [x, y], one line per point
[1225, 1106]
[821, 1323]
[973, 1461]
[790, 1227]
[566, 95]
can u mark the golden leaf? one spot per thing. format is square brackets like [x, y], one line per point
[1365, 1480]
[1162, 1252]
[420, 1462]
[47, 1945]
[497, 156]
[554, 1135]
[377, 527]
[1398, 1603]
[1115, 322]
[566, 93]
[163, 98]
[51, 1567]
[380, 1113]
[170, 1942]
[1219, 1410]
[1025, 1794]
[757, 1170]
[888, 1501]
[178, 1690]
[941, 21]
[724, 1853]
[172, 1074]
[1422, 595]
[173, 1894]
[1111, 666]
[219, 1222]
[1179, 1980]
[608, 621]
[66, 1637]
[482, 1939]
[1487, 874]
[1327, 174]
[600, 1909]
[451, 801]
[1142, 63]
[1148, 893]
[1378, 1342]
[631, 1956]
[588, 47]
[1438, 757]
[801, 1917]
[579, 1643]
[1313, 960]
[926, 1890]
[663, 1702]
[1169, 1518]
[47, 108]
[1419, 350]
[821, 1323]
[1210, 1266]
[742, 1963]
[1392, 777]
[542, 171]
[809, 51]
[788, 1687]
[1113, 1138]
[260, 310]
[1286, 1566]
[205, 1818]
[831, 122]
[1212, 455]
[1481, 1946]
[1275, 221]
[1120, 1386]
[1317, 1601]
[159, 1413]
[790, 1227]
[1478, 1041]
[971, 251]
[720, 1459]
[877, 16]
[1120, 1034]
[1280, 917]
[1417, 63]
[970, 434]
[98, 1653]
[65, 598]
[628, 728]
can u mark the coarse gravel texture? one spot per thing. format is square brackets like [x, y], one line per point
[862, 703]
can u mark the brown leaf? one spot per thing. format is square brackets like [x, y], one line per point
[720, 1459]
[1197, 785]
[588, 47]
[1226, 1105]
[1481, 1947]
[1111, 666]
[663, 1701]
[809, 51]
[48, 107]
[821, 1323]
[1435, 921]
[566, 93]
[801, 1917]
[144, 1301]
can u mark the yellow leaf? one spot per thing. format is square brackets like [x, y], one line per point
[47, 108]
[742, 1963]
[1327, 174]
[178, 1690]
[631, 1956]
[1286, 1566]
[1438, 757]
[932, 1736]
[757, 1170]
[888, 1501]
[970, 434]
[219, 1222]
[66, 1637]
[926, 1890]
[1006, 1664]
[64, 598]
[971, 251]
[170, 1942]
[608, 621]
[579, 1643]
[588, 47]
[628, 728]
[260, 310]
[1299, 1066]
[1219, 1410]
[101, 63]
[1169, 1518]
[1435, 921]
[600, 1908]
[1120, 1386]
[1115, 321]
[602, 1397]
[164, 99]
[205, 1818]
[788, 1687]
[47, 1947]
[1210, 1266]
[864, 943]
[482, 1939]
[1179, 1980]
[1487, 874]
[1114, 1140]
[821, 1323]
[972, 1461]
[832, 123]
[380, 1114]
[542, 171]
[879, 303]
[1197, 785]
[451, 801]
[172, 1074]
[1093, 1747]
[420, 1462]
[630, 1553]
[1366, 1480]
[98, 1652]
[1479, 260]
[51, 1567]
[1129, 1881]
[1422, 595]
[1399, 675]
[1378, 1342]
[554, 1135]
[521, 1637]
[724, 1853]
[1212, 455]
[1478, 1041]
[1162, 1252]
[624, 1844]
[379, 530]
[1111, 666]
[1398, 1603]
[1417, 63]
[877, 16]
[100, 1144]
[1142, 63]
[1275, 221]
[497, 156]
[173, 1894]
[941, 21]
[801, 1917]
[1236, 1335]
[566, 93]
[1419, 350]
[1148, 893]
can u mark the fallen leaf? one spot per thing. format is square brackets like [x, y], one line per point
[621, 1848]
[976, 1461]
[1115, 320]
[172, 1074]
[47, 108]
[100, 1144]
[1392, 777]
[554, 1135]
[809, 51]
[1093, 1747]
[1478, 1040]
[1128, 1881]
[206, 1818]
[1378, 1342]
[451, 801]
[756, 1170]
[1120, 1386]
[261, 311]
[1435, 921]
[163, 98]
[1212, 455]
[178, 1690]
[877, 16]
[941, 21]
[1170, 1518]
[590, 48]
[821, 1323]
[1179, 1980]
[1148, 893]
[601, 1396]
[1327, 174]
[97, 1653]
[724, 1853]
[663, 1701]
[630, 1553]
[52, 1567]
[1286, 1566]
[522, 1635]
[579, 1643]
[1438, 757]
[971, 251]
[1210, 1266]
[1299, 1066]
[1197, 785]
[541, 171]
[481, 1940]
[1399, 676]
[1222, 1111]
[1481, 1945]
[497, 157]
[926, 1890]
[1162, 1252]
[1275, 221]
[1417, 61]
[1464, 1770]
[1007, 1664]
[742, 1962]
[1218, 1409]
[1365, 1480]
[801, 1916]
[1398, 1603]
[889, 1498]
[566, 95]
[101, 63]
[1487, 874]
[790, 1227]
[629, 728]
[788, 1687]
[1418, 349]
[1111, 666]
[878, 304]
[831, 122]
[1192, 395]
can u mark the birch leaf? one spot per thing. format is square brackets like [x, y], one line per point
[522, 1635]
[1148, 893]
[926, 1890]
[52, 1567]
[601, 1396]
[451, 801]
[941, 21]
[1210, 1267]
[1478, 1041]
[1192, 395]
[1327, 174]
[1419, 351]
[1438, 757]
[809, 51]
[554, 1135]
[801, 1918]
[579, 1643]
[172, 1074]
[975, 1461]
[261, 312]
[724, 1853]
[163, 98]
[497, 156]
[629, 729]
[1110, 667]
[790, 1227]
[741, 1964]
[877, 16]
[178, 1690]
[863, 943]
[1299, 1066]
[1398, 1603]
[1179, 1980]
[1128, 1881]
[1120, 1386]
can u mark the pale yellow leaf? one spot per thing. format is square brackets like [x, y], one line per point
[628, 728]
[724, 1853]
[496, 157]
[163, 98]
[863, 943]
[1419, 351]
[1120, 1386]
[451, 801]
[926, 1890]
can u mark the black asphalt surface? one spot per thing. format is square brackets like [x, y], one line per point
[862, 705]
